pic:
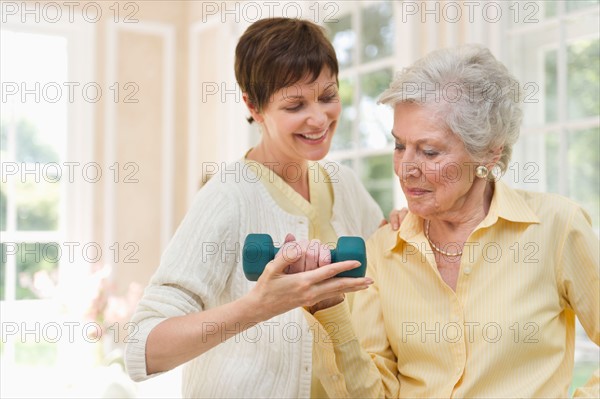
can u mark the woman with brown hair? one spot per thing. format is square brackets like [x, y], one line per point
[240, 338]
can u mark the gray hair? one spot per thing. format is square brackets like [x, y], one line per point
[470, 92]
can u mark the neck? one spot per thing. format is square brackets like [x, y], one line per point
[293, 171]
[471, 212]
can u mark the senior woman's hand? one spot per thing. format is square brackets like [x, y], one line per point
[396, 217]
[313, 255]
[302, 275]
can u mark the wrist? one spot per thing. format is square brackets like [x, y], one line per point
[328, 303]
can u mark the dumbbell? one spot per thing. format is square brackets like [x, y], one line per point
[259, 250]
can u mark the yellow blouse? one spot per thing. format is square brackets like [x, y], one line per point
[528, 269]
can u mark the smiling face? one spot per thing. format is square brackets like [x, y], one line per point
[436, 172]
[299, 122]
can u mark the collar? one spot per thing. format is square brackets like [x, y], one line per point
[507, 204]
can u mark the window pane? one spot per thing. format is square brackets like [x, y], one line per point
[32, 146]
[2, 270]
[551, 87]
[584, 170]
[37, 269]
[573, 5]
[348, 162]
[377, 31]
[37, 203]
[343, 38]
[549, 8]
[583, 79]
[343, 135]
[375, 120]
[552, 162]
[39, 105]
[2, 206]
[377, 174]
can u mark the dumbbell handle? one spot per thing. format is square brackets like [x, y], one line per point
[259, 250]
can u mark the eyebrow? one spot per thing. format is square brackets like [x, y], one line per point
[420, 141]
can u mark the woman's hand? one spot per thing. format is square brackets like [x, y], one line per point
[396, 218]
[302, 275]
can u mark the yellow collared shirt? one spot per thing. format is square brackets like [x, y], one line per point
[508, 330]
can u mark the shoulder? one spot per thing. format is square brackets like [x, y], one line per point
[550, 207]
[384, 236]
[231, 179]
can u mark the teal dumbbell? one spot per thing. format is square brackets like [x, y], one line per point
[259, 250]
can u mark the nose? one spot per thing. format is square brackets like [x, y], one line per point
[318, 117]
[407, 166]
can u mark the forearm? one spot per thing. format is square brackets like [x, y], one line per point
[347, 369]
[179, 339]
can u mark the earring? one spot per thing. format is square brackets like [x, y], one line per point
[482, 171]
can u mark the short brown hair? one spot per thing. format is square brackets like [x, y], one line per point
[275, 53]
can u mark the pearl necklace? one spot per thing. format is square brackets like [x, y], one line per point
[435, 248]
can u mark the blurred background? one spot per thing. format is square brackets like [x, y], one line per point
[114, 113]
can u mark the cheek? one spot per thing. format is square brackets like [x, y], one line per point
[451, 174]
[334, 109]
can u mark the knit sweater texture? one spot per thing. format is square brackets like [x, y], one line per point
[201, 269]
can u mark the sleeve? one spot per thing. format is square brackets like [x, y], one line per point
[351, 352]
[579, 281]
[369, 323]
[192, 272]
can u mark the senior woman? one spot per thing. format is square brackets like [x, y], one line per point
[476, 295]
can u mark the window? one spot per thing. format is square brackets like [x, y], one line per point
[363, 37]
[43, 130]
[556, 56]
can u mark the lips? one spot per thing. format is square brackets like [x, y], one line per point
[415, 191]
[313, 137]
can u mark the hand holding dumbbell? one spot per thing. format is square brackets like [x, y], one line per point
[259, 250]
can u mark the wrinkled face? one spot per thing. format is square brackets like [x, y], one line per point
[300, 120]
[436, 172]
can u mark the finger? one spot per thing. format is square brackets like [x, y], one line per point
[396, 217]
[324, 255]
[402, 214]
[337, 286]
[298, 264]
[311, 258]
[328, 271]
[289, 253]
[289, 237]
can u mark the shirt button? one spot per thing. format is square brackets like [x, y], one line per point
[467, 270]
[306, 369]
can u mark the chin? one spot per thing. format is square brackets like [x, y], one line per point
[318, 154]
[417, 210]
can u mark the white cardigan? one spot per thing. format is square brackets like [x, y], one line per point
[201, 269]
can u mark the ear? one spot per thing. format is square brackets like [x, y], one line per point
[252, 109]
[495, 155]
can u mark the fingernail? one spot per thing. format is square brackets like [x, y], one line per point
[369, 280]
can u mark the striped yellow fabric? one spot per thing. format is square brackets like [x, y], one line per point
[508, 330]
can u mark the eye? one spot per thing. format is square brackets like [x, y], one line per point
[430, 153]
[294, 108]
[328, 98]
[399, 147]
